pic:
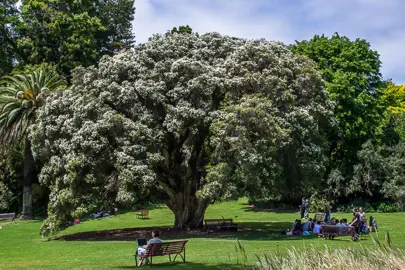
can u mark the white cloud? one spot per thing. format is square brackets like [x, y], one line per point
[380, 22]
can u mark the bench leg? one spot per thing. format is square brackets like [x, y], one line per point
[182, 256]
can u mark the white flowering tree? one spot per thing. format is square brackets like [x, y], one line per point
[198, 117]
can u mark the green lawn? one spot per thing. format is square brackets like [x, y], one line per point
[22, 247]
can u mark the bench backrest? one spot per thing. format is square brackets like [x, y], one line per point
[218, 221]
[144, 212]
[336, 229]
[7, 215]
[172, 247]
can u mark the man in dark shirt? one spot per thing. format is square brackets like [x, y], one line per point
[356, 223]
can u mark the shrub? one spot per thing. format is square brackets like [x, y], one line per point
[319, 203]
[386, 208]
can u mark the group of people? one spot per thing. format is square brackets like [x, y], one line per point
[307, 226]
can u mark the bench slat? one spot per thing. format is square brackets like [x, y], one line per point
[7, 215]
[166, 248]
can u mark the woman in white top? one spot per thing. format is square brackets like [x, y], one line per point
[362, 214]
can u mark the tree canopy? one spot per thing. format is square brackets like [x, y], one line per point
[351, 70]
[181, 113]
[8, 43]
[63, 33]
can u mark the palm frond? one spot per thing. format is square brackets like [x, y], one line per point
[19, 100]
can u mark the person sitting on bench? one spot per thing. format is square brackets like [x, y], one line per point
[155, 240]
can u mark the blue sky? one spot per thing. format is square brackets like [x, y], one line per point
[380, 22]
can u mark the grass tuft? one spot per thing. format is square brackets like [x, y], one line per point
[381, 256]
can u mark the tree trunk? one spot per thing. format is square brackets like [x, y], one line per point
[188, 210]
[29, 179]
[27, 203]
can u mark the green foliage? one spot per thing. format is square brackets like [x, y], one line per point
[182, 29]
[386, 208]
[21, 96]
[320, 203]
[8, 43]
[72, 33]
[351, 71]
[393, 97]
[11, 179]
[380, 171]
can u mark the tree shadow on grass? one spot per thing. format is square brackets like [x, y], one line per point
[258, 231]
[272, 210]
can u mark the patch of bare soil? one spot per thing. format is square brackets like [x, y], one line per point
[128, 234]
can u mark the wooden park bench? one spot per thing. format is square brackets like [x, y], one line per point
[220, 224]
[330, 231]
[8, 216]
[143, 214]
[177, 248]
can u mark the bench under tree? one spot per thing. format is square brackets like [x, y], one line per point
[330, 231]
[143, 214]
[176, 248]
[8, 216]
[224, 224]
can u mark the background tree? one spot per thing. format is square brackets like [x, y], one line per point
[20, 98]
[8, 35]
[154, 117]
[11, 179]
[351, 70]
[379, 169]
[72, 33]
[182, 29]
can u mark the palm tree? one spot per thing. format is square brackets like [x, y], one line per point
[20, 97]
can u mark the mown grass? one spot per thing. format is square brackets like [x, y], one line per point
[22, 247]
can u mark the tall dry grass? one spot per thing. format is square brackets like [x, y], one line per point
[379, 257]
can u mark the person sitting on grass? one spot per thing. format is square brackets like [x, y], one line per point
[317, 228]
[297, 228]
[307, 227]
[155, 240]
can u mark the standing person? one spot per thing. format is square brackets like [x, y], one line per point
[327, 215]
[302, 207]
[363, 220]
[362, 215]
[356, 223]
[306, 206]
